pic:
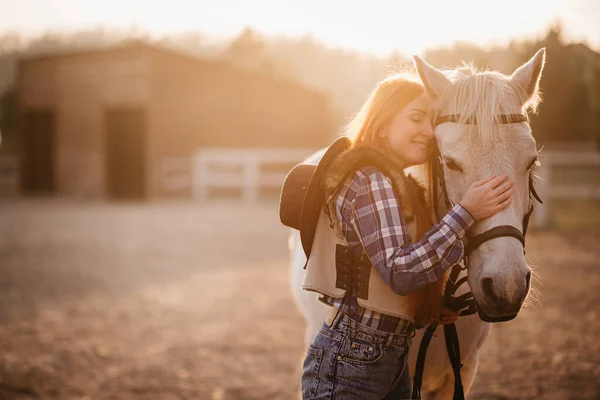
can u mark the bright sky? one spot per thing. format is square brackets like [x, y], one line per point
[375, 26]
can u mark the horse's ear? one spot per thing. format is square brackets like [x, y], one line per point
[433, 79]
[528, 75]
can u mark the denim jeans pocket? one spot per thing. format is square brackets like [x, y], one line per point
[310, 373]
[360, 351]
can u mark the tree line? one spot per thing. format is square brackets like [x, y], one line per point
[570, 110]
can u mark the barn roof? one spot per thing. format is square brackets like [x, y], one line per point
[120, 46]
[133, 45]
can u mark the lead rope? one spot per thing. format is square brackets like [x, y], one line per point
[463, 303]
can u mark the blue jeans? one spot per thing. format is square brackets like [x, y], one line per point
[347, 361]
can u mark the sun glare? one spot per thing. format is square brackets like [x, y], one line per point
[378, 26]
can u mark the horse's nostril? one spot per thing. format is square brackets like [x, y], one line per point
[486, 286]
[527, 281]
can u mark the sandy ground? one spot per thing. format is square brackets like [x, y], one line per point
[189, 301]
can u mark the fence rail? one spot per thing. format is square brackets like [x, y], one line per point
[241, 168]
[175, 173]
[249, 170]
[244, 169]
[550, 160]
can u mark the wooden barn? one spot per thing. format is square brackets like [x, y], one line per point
[97, 124]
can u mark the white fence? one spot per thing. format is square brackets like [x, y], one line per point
[550, 161]
[230, 168]
[219, 168]
[174, 173]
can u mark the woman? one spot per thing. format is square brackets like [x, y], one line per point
[390, 258]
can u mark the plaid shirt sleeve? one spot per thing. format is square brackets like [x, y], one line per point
[376, 218]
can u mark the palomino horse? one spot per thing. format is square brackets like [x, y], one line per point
[481, 130]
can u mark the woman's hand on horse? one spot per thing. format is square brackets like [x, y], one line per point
[487, 197]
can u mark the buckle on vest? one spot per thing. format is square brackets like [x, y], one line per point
[352, 272]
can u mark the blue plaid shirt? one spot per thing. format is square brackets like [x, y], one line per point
[370, 216]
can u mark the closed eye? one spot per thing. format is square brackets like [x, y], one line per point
[452, 164]
[535, 162]
[417, 115]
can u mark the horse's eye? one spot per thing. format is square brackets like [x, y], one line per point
[453, 165]
[533, 163]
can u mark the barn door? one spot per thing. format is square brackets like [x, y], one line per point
[38, 135]
[126, 154]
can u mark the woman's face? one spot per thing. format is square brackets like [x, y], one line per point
[410, 134]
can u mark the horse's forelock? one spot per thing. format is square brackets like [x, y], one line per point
[484, 95]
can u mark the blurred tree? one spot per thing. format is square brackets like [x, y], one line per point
[459, 53]
[394, 62]
[187, 42]
[570, 83]
[247, 49]
[397, 59]
[49, 42]
[10, 42]
[565, 107]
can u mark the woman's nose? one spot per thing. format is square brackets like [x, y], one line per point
[428, 131]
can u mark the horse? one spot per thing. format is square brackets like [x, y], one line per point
[481, 129]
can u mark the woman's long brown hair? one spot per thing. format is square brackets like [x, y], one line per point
[388, 98]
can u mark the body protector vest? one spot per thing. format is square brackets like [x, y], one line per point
[334, 269]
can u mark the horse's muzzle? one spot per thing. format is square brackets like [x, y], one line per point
[486, 318]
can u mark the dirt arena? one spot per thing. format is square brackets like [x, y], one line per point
[188, 301]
